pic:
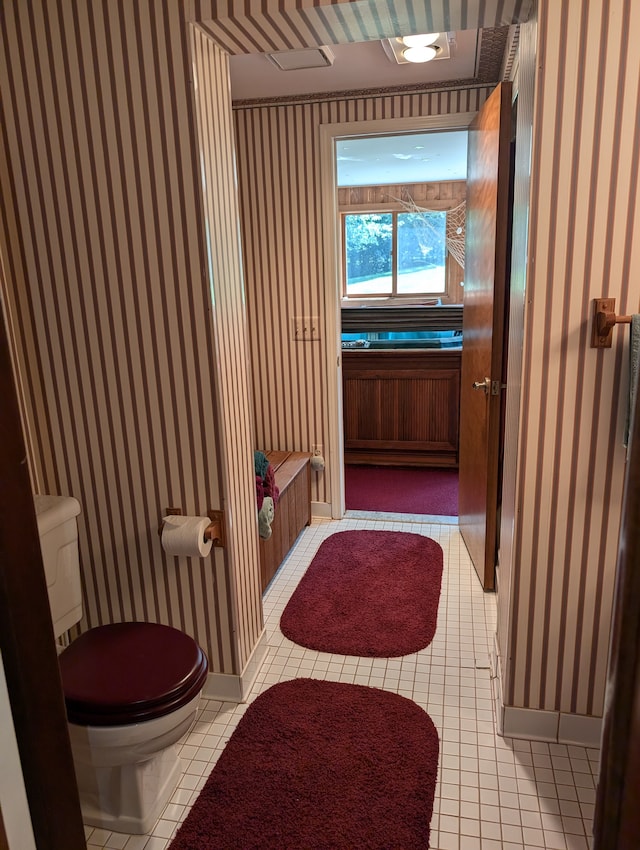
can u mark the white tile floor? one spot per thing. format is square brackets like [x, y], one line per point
[493, 793]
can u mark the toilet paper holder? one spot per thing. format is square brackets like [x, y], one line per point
[214, 531]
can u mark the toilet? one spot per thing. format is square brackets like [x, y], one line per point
[131, 691]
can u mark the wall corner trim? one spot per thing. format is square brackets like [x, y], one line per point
[321, 509]
[552, 726]
[228, 688]
[580, 729]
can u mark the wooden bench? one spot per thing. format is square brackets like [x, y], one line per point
[293, 511]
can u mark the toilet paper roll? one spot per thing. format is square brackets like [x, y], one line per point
[184, 535]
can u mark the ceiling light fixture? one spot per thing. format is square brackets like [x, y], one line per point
[418, 48]
[420, 40]
[423, 53]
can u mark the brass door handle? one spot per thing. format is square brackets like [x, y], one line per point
[482, 385]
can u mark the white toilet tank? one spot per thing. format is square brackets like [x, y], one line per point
[58, 531]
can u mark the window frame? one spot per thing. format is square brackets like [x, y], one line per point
[443, 195]
[394, 295]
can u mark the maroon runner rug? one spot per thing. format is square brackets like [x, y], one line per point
[389, 489]
[315, 765]
[370, 593]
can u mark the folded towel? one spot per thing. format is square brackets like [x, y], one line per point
[634, 364]
[260, 463]
[265, 518]
[270, 486]
[259, 491]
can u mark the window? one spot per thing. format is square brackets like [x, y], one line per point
[395, 254]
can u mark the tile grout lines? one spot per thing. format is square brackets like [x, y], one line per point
[492, 793]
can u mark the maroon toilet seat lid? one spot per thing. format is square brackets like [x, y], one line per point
[129, 672]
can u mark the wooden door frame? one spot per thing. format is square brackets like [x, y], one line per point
[27, 642]
[617, 816]
[329, 134]
[500, 105]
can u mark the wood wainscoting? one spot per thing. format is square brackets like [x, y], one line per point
[293, 479]
[401, 407]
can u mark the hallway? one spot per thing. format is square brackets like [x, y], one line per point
[492, 793]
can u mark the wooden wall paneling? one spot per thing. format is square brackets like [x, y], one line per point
[401, 406]
[442, 195]
[293, 510]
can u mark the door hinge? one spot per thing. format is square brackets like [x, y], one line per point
[496, 386]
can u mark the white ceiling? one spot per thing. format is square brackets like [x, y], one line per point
[362, 65]
[377, 160]
[415, 158]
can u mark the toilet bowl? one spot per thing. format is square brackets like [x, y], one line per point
[131, 692]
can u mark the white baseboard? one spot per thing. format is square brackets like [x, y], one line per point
[494, 661]
[534, 724]
[496, 685]
[580, 729]
[321, 509]
[228, 688]
[554, 726]
[223, 687]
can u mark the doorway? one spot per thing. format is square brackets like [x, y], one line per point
[330, 136]
[384, 389]
[401, 208]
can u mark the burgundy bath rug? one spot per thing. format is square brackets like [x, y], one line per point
[317, 765]
[390, 489]
[368, 593]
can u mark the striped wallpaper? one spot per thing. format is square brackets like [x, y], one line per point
[280, 203]
[126, 366]
[225, 268]
[282, 25]
[523, 84]
[584, 243]
[127, 311]
[561, 546]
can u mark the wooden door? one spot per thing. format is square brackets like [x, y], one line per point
[27, 643]
[617, 816]
[486, 276]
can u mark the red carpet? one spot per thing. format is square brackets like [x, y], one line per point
[317, 765]
[369, 593]
[389, 489]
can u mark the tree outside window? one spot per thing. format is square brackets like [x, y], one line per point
[395, 253]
